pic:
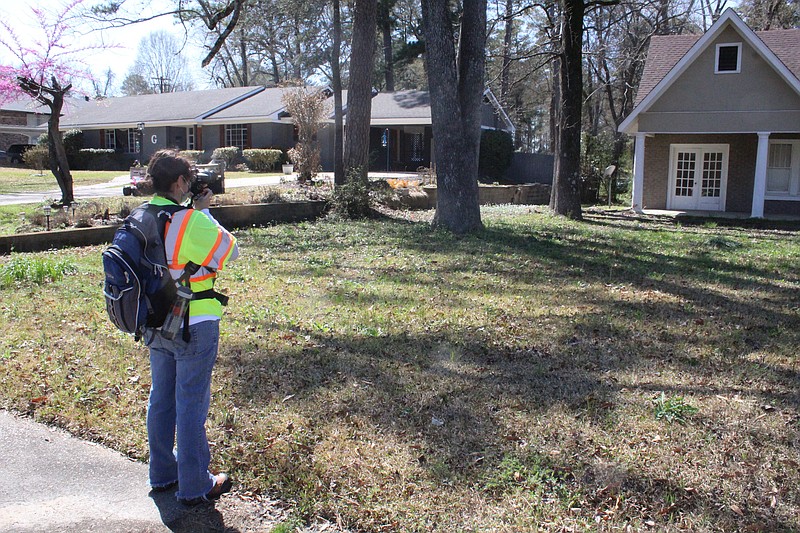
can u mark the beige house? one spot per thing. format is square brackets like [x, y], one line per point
[717, 122]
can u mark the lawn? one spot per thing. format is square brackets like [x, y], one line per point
[621, 372]
[16, 178]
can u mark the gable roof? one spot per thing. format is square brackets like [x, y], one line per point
[670, 55]
[171, 108]
[264, 105]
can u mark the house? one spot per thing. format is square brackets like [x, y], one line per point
[23, 120]
[717, 122]
[255, 117]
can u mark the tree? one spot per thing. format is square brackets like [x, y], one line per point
[46, 72]
[336, 85]
[359, 93]
[456, 87]
[160, 65]
[309, 109]
[565, 196]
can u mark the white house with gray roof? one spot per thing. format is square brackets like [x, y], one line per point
[717, 122]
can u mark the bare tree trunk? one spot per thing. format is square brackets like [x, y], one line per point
[385, 25]
[507, 41]
[338, 129]
[53, 98]
[456, 91]
[566, 194]
[359, 93]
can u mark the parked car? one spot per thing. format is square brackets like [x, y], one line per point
[16, 152]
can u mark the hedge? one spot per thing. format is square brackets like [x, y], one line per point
[261, 159]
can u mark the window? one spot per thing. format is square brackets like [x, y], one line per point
[133, 141]
[236, 135]
[190, 142]
[111, 139]
[783, 169]
[417, 141]
[729, 58]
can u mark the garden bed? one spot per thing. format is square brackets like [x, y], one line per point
[230, 216]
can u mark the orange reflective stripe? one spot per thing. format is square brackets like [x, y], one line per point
[179, 239]
[204, 277]
[231, 244]
[210, 257]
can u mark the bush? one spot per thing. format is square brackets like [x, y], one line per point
[37, 157]
[73, 144]
[192, 155]
[497, 149]
[262, 159]
[351, 200]
[229, 154]
[103, 159]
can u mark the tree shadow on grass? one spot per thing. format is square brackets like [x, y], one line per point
[453, 394]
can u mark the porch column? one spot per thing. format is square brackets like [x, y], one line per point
[760, 181]
[638, 173]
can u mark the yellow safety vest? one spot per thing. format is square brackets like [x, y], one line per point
[193, 237]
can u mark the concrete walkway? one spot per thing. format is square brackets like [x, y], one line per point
[54, 482]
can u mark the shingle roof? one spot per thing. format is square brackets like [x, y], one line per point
[666, 50]
[264, 105]
[166, 107]
[402, 105]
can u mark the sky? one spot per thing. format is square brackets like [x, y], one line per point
[124, 40]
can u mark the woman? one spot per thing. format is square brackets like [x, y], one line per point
[181, 367]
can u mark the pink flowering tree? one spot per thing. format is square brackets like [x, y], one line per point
[44, 67]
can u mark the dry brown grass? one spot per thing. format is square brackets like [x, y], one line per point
[399, 379]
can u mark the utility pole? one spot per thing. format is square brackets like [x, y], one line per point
[162, 84]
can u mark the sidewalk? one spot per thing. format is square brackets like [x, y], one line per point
[53, 481]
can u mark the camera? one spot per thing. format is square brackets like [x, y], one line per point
[201, 182]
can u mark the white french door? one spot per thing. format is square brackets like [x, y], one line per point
[698, 177]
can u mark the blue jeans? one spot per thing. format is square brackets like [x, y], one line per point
[179, 399]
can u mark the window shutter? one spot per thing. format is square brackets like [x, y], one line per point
[102, 138]
[248, 142]
[222, 135]
[198, 137]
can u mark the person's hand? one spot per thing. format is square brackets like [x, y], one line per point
[203, 200]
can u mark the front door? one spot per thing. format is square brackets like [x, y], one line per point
[698, 177]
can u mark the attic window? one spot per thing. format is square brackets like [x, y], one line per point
[729, 58]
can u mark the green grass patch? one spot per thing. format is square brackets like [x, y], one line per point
[398, 378]
[22, 179]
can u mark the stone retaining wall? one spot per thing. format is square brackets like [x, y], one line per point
[527, 194]
[230, 216]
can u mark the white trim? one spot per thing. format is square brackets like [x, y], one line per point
[496, 104]
[794, 173]
[729, 17]
[760, 178]
[738, 69]
[701, 148]
[638, 173]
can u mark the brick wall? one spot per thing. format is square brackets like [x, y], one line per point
[741, 168]
[12, 118]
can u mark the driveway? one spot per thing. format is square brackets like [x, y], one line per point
[114, 187]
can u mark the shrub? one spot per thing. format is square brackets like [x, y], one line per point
[192, 155]
[229, 154]
[261, 159]
[73, 144]
[103, 159]
[351, 200]
[497, 149]
[309, 109]
[37, 158]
